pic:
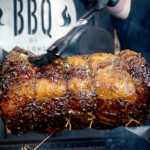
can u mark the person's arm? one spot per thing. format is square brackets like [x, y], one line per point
[121, 10]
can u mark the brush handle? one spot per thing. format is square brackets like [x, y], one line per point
[61, 44]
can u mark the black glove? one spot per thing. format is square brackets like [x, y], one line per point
[100, 4]
[88, 3]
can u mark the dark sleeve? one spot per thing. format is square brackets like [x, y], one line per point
[118, 23]
[134, 32]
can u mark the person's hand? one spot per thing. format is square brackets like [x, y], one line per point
[99, 4]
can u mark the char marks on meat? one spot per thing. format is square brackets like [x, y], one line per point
[100, 91]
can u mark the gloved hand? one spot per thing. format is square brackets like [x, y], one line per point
[99, 4]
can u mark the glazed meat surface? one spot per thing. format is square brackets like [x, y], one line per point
[100, 91]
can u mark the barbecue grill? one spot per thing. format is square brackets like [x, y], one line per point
[121, 138]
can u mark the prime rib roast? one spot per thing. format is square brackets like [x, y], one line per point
[99, 91]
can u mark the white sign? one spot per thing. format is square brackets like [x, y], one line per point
[34, 24]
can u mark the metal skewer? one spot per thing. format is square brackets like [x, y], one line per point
[27, 147]
[42, 142]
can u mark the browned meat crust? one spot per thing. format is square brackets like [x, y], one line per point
[100, 91]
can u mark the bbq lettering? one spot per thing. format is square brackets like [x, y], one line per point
[32, 19]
